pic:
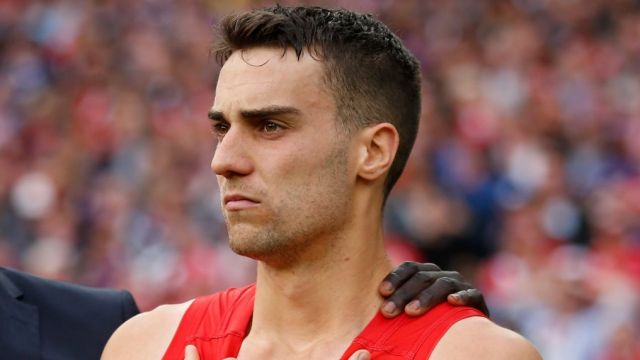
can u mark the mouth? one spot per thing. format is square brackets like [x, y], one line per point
[236, 202]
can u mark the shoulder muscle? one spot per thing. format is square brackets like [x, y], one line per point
[146, 335]
[479, 338]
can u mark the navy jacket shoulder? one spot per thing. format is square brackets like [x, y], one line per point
[46, 319]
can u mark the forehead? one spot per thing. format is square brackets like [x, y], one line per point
[261, 77]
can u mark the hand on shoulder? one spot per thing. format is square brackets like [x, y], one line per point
[479, 338]
[146, 335]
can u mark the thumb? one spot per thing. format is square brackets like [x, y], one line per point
[360, 355]
[191, 353]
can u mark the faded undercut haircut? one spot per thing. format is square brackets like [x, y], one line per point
[371, 75]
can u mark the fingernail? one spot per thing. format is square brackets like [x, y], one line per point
[414, 306]
[364, 356]
[389, 307]
[387, 287]
[455, 297]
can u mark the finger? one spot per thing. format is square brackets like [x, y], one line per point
[410, 290]
[433, 295]
[469, 297]
[360, 355]
[401, 274]
[464, 297]
[191, 353]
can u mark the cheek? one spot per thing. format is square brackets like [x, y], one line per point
[300, 171]
[291, 182]
[293, 164]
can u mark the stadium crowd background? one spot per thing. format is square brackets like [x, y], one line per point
[525, 176]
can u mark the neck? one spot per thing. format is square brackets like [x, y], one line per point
[327, 300]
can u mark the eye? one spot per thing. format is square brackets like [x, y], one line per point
[270, 127]
[219, 129]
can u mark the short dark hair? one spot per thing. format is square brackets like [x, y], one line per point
[372, 76]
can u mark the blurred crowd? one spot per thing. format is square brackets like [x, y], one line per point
[525, 176]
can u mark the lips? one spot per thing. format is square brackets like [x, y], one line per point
[236, 202]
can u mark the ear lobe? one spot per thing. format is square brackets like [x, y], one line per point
[379, 147]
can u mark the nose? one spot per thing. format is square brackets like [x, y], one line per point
[231, 158]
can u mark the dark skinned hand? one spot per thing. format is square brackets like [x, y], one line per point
[418, 287]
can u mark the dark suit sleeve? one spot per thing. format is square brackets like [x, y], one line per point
[129, 306]
[65, 321]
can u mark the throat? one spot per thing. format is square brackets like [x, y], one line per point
[313, 314]
[279, 346]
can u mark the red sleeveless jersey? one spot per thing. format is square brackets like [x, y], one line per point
[217, 324]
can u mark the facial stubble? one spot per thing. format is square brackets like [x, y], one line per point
[313, 209]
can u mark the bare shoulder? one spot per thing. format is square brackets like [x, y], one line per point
[479, 338]
[146, 335]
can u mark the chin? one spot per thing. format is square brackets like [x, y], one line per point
[250, 243]
[264, 246]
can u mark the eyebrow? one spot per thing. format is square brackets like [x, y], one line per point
[273, 110]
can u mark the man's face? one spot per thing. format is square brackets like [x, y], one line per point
[280, 163]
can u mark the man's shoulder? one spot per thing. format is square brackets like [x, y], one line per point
[147, 334]
[34, 289]
[69, 300]
[480, 338]
[66, 314]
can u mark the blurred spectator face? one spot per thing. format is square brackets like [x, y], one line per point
[280, 162]
[610, 213]
[568, 270]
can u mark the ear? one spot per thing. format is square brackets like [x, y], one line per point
[378, 147]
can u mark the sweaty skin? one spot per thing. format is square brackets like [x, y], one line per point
[304, 201]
